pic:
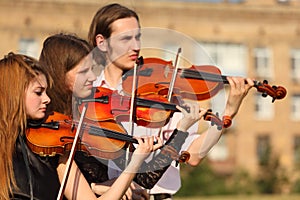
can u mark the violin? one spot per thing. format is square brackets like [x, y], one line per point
[195, 83]
[152, 110]
[105, 140]
[55, 135]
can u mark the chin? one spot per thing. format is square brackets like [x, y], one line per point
[38, 116]
[128, 67]
[84, 94]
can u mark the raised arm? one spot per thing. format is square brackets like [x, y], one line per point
[203, 144]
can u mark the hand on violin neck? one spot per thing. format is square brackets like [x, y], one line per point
[190, 116]
[239, 88]
[145, 146]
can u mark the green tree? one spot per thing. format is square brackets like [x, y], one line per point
[202, 180]
[271, 176]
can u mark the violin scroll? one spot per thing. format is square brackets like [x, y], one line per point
[227, 121]
[215, 120]
[276, 92]
[183, 157]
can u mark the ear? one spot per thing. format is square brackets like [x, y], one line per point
[101, 42]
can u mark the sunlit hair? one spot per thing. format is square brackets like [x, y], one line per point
[17, 71]
[102, 24]
[60, 54]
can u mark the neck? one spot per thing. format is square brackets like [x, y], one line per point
[113, 75]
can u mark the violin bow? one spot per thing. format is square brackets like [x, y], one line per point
[71, 156]
[172, 83]
[132, 115]
[173, 79]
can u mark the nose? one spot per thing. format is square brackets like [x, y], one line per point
[46, 99]
[91, 76]
[136, 44]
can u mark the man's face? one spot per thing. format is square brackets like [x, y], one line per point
[124, 44]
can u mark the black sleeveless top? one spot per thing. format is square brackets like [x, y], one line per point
[44, 178]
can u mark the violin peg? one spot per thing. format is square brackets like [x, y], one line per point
[264, 94]
[219, 127]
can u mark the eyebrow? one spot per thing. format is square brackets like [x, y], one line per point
[40, 85]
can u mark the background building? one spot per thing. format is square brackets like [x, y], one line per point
[257, 39]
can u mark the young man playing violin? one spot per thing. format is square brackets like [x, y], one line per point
[115, 32]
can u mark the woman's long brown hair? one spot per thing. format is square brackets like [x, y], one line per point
[17, 71]
[61, 53]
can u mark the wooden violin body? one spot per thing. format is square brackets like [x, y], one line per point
[195, 83]
[152, 108]
[158, 72]
[55, 136]
[109, 105]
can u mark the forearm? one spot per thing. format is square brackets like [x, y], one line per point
[101, 188]
[119, 187]
[201, 146]
[122, 183]
[76, 183]
[153, 171]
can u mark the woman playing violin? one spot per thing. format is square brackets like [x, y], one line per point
[68, 60]
[25, 175]
[115, 31]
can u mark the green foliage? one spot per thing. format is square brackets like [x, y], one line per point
[242, 183]
[296, 187]
[271, 176]
[201, 180]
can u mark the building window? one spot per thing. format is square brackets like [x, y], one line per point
[29, 47]
[263, 67]
[295, 114]
[297, 151]
[295, 65]
[263, 149]
[264, 108]
[231, 58]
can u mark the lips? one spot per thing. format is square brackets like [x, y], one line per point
[133, 57]
[43, 109]
[89, 86]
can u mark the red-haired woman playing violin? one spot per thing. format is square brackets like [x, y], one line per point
[24, 175]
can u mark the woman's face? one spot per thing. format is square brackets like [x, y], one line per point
[124, 44]
[36, 99]
[80, 78]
